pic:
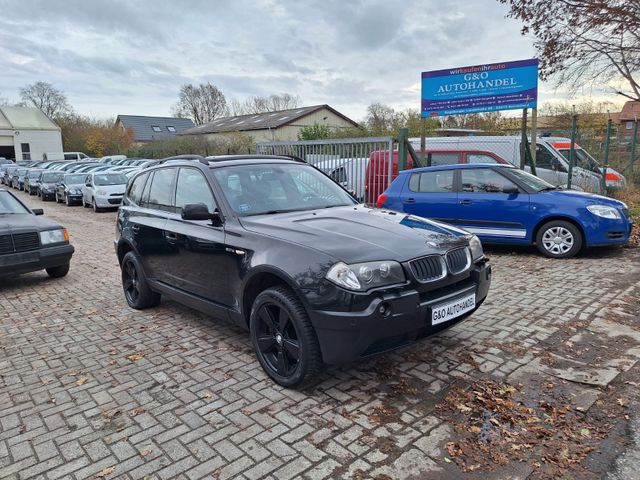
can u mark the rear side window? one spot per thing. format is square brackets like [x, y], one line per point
[444, 159]
[161, 193]
[480, 158]
[432, 182]
[70, 156]
[136, 189]
[192, 187]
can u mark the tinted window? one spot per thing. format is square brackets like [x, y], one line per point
[444, 159]
[339, 175]
[480, 158]
[432, 182]
[484, 180]
[546, 159]
[70, 156]
[136, 188]
[161, 194]
[192, 187]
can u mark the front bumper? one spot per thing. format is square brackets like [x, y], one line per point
[108, 202]
[32, 261]
[604, 232]
[348, 336]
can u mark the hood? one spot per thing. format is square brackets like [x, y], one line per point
[584, 198]
[21, 222]
[111, 188]
[354, 234]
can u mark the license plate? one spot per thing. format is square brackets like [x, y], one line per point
[444, 312]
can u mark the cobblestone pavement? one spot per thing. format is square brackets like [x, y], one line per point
[89, 387]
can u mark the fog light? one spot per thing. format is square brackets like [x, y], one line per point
[384, 309]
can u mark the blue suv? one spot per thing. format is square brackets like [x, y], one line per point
[502, 204]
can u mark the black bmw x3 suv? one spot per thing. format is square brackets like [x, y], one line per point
[276, 246]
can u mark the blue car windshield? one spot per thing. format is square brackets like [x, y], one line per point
[270, 188]
[531, 181]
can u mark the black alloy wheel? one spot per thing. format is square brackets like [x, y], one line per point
[283, 337]
[136, 290]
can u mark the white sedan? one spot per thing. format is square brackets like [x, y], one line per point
[103, 190]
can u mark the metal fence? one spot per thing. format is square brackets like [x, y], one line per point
[360, 165]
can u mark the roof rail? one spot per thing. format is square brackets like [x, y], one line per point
[225, 158]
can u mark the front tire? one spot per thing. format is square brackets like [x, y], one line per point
[283, 337]
[134, 284]
[95, 206]
[59, 271]
[559, 239]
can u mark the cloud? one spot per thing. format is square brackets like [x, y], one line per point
[118, 56]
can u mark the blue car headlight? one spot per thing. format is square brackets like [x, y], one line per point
[605, 211]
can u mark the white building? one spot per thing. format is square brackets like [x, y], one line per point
[27, 133]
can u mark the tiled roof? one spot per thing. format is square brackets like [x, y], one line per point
[154, 128]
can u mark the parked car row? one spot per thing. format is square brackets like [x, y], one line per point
[93, 183]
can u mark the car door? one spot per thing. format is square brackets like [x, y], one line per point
[431, 194]
[200, 264]
[492, 206]
[547, 166]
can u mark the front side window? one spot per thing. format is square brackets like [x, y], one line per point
[161, 193]
[192, 187]
[545, 159]
[264, 188]
[480, 158]
[484, 180]
[432, 182]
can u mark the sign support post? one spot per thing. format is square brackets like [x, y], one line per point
[524, 143]
[534, 139]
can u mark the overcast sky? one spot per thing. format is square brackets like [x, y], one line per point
[130, 57]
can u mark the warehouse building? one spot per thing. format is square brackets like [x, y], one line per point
[274, 126]
[26, 133]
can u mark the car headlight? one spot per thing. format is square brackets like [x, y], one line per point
[476, 248]
[54, 236]
[604, 211]
[101, 192]
[363, 276]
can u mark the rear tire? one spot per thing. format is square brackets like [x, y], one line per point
[59, 271]
[559, 239]
[134, 284]
[284, 339]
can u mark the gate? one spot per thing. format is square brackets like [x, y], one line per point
[360, 165]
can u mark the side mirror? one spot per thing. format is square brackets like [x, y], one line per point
[199, 211]
[511, 190]
[88, 184]
[38, 211]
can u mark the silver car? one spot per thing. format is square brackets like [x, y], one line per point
[103, 190]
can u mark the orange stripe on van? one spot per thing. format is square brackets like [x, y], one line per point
[564, 145]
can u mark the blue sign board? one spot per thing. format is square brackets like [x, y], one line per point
[480, 88]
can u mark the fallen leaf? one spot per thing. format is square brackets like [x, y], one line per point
[585, 432]
[463, 408]
[81, 381]
[246, 411]
[134, 357]
[105, 472]
[474, 429]
[137, 411]
[623, 402]
[146, 452]
[447, 459]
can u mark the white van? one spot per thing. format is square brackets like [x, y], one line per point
[348, 172]
[74, 156]
[550, 164]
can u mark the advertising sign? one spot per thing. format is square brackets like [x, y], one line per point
[480, 88]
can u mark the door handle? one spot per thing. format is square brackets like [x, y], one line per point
[135, 228]
[410, 200]
[465, 202]
[171, 237]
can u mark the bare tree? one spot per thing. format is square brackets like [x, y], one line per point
[581, 41]
[44, 96]
[202, 104]
[271, 103]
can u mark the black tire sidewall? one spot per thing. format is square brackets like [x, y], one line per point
[577, 238]
[146, 297]
[281, 297]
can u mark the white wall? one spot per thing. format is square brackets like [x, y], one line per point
[40, 141]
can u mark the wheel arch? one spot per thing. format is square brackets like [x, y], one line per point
[261, 279]
[124, 247]
[552, 218]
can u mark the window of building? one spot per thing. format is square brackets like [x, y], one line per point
[172, 129]
[26, 151]
[156, 128]
[629, 125]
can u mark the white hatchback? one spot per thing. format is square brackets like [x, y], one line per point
[103, 190]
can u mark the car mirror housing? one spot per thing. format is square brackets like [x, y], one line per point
[199, 211]
[38, 211]
[511, 190]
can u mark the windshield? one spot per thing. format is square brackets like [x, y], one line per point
[74, 179]
[531, 181]
[8, 204]
[109, 179]
[582, 159]
[265, 188]
[21, 171]
[34, 175]
[51, 177]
